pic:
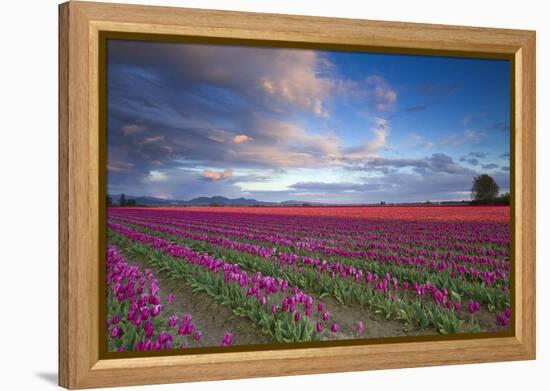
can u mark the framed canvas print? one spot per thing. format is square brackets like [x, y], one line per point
[248, 195]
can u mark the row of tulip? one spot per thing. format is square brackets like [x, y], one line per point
[358, 271]
[269, 302]
[490, 260]
[135, 311]
[417, 304]
[467, 237]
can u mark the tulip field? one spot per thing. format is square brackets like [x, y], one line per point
[222, 276]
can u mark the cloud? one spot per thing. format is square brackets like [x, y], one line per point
[323, 187]
[468, 136]
[375, 90]
[505, 168]
[156, 176]
[276, 79]
[215, 175]
[240, 138]
[118, 166]
[479, 155]
[133, 129]
[470, 161]
[370, 148]
[472, 158]
[149, 140]
[226, 105]
[505, 156]
[437, 163]
[490, 166]
[382, 94]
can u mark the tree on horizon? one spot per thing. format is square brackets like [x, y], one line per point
[484, 188]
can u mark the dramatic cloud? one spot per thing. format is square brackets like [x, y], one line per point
[438, 163]
[490, 166]
[291, 124]
[240, 138]
[216, 176]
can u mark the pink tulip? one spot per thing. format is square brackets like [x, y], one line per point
[227, 339]
[197, 336]
[115, 332]
[319, 326]
[170, 298]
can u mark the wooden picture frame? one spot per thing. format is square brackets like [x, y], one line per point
[80, 199]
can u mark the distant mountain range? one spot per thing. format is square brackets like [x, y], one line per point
[206, 201]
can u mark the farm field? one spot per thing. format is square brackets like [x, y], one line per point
[222, 276]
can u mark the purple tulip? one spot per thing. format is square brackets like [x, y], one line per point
[326, 316]
[297, 317]
[148, 328]
[334, 328]
[273, 308]
[197, 336]
[320, 306]
[319, 326]
[227, 339]
[115, 332]
[155, 310]
[172, 320]
[473, 306]
[360, 327]
[507, 312]
[170, 298]
[145, 311]
[115, 319]
[502, 320]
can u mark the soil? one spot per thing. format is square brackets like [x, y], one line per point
[374, 325]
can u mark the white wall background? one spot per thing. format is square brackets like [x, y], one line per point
[28, 196]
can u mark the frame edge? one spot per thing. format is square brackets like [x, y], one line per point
[64, 367]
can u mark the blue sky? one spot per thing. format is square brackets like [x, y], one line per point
[189, 120]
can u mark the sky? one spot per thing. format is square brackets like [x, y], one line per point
[275, 124]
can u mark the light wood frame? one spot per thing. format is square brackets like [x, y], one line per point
[79, 157]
